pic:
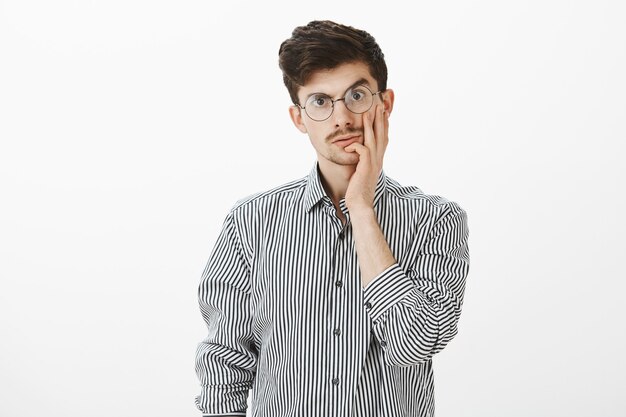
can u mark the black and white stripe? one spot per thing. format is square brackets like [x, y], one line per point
[288, 319]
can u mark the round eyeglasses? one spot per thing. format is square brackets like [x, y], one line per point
[320, 107]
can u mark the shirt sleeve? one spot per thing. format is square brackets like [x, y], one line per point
[226, 359]
[415, 308]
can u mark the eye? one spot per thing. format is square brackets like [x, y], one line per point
[318, 100]
[357, 94]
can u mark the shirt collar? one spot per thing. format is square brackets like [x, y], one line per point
[314, 190]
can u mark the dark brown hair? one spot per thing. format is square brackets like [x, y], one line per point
[326, 45]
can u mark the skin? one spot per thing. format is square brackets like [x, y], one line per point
[351, 171]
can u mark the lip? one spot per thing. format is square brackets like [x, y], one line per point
[346, 140]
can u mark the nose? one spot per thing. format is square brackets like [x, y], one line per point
[341, 115]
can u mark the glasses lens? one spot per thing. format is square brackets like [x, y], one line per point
[319, 107]
[359, 99]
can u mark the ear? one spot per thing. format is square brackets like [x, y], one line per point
[388, 97]
[296, 117]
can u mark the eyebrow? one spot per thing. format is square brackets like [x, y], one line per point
[360, 81]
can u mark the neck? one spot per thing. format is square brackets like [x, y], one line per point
[335, 179]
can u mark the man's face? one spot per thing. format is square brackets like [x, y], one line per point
[329, 137]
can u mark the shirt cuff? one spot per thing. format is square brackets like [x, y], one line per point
[385, 290]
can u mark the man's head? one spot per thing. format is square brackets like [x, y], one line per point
[335, 75]
[324, 45]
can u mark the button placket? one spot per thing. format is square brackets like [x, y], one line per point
[337, 309]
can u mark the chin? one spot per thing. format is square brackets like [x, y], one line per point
[346, 161]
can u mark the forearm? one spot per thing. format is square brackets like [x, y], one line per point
[415, 307]
[410, 323]
[405, 324]
[226, 358]
[373, 252]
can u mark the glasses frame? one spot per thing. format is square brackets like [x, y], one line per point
[344, 100]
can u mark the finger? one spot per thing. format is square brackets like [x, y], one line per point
[379, 126]
[368, 132]
[386, 130]
[363, 151]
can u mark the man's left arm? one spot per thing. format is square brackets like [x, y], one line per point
[414, 308]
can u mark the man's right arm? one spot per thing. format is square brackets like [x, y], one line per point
[226, 358]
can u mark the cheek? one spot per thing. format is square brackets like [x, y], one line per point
[317, 137]
[316, 132]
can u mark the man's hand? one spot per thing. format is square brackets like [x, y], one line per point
[360, 192]
[372, 249]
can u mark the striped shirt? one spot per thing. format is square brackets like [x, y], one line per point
[290, 324]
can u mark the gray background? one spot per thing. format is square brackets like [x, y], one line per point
[128, 129]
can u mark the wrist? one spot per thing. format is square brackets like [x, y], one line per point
[361, 212]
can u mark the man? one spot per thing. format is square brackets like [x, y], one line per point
[329, 295]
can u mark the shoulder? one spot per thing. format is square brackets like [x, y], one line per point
[279, 194]
[412, 197]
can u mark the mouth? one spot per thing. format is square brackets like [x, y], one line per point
[344, 141]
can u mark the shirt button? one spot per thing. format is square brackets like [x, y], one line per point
[335, 381]
[341, 235]
[336, 332]
[383, 343]
[339, 284]
[368, 305]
